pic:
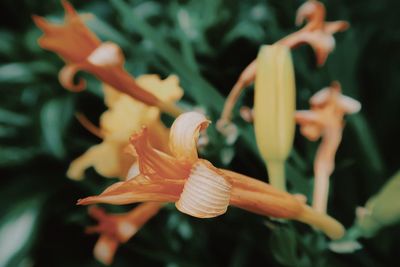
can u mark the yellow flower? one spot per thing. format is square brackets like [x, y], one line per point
[274, 108]
[197, 187]
[82, 50]
[117, 229]
[125, 116]
[325, 119]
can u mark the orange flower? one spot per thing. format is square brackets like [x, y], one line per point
[316, 33]
[325, 119]
[117, 229]
[200, 189]
[82, 50]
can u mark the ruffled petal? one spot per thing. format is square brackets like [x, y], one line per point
[184, 135]
[206, 193]
[138, 190]
[66, 77]
[105, 249]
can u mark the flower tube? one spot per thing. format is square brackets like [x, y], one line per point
[325, 119]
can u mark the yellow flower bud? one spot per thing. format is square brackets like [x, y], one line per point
[274, 108]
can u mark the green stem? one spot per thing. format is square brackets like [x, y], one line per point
[276, 174]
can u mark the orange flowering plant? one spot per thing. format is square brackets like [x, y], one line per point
[157, 164]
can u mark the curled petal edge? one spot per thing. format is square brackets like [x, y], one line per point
[66, 77]
[184, 135]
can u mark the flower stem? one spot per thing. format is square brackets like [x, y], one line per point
[276, 174]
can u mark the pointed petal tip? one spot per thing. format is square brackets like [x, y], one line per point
[69, 9]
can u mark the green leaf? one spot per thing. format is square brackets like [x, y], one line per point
[10, 156]
[284, 246]
[54, 117]
[12, 118]
[17, 230]
[16, 73]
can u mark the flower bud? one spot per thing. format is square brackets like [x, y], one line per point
[274, 108]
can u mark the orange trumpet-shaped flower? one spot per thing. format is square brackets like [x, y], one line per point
[117, 229]
[325, 119]
[317, 33]
[83, 51]
[200, 189]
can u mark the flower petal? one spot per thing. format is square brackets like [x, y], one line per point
[105, 249]
[104, 157]
[138, 190]
[321, 97]
[72, 41]
[184, 135]
[66, 77]
[167, 90]
[310, 124]
[336, 26]
[206, 193]
[313, 11]
[156, 164]
[349, 105]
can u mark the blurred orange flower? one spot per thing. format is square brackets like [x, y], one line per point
[317, 32]
[117, 229]
[200, 189]
[82, 50]
[325, 119]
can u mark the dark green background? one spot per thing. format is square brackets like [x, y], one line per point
[39, 135]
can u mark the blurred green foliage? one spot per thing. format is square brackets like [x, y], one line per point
[207, 43]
